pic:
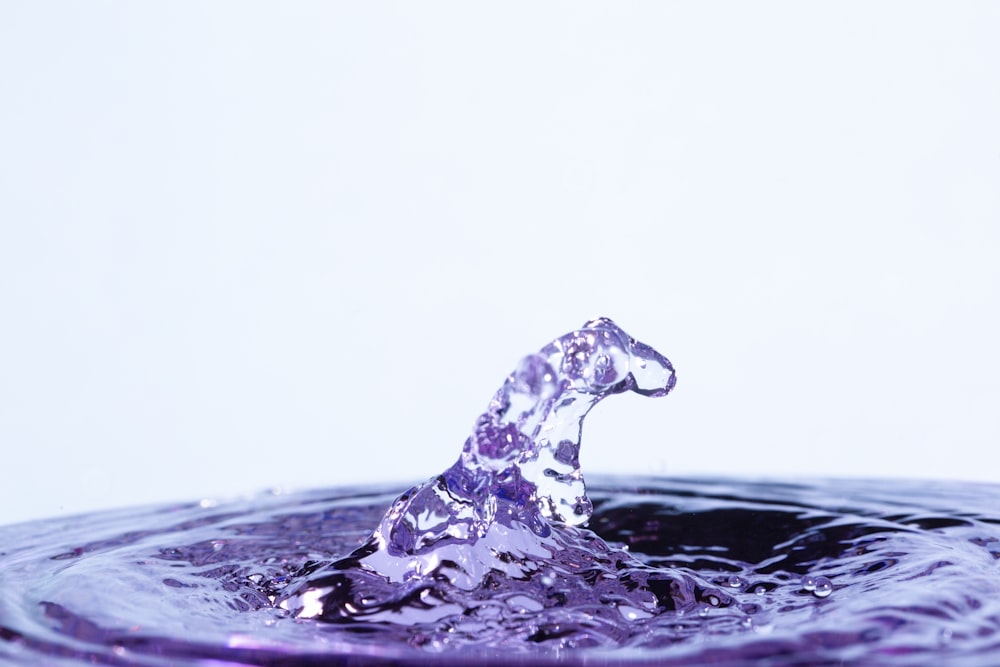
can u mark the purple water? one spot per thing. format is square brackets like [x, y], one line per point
[509, 557]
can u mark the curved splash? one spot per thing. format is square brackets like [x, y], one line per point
[490, 562]
[502, 523]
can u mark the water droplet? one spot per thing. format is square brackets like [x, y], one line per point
[808, 582]
[703, 609]
[823, 587]
[735, 581]
[759, 590]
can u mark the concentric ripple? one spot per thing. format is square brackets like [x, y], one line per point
[913, 570]
[511, 557]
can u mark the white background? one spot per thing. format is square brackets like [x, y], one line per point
[295, 244]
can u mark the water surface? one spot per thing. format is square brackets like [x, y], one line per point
[913, 572]
[511, 555]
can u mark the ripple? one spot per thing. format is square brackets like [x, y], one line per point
[198, 583]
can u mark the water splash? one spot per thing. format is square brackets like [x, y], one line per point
[492, 563]
[503, 512]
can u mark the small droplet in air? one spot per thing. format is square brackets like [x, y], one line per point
[808, 583]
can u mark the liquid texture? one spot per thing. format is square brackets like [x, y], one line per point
[509, 558]
[500, 522]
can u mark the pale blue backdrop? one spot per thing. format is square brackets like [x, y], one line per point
[247, 245]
